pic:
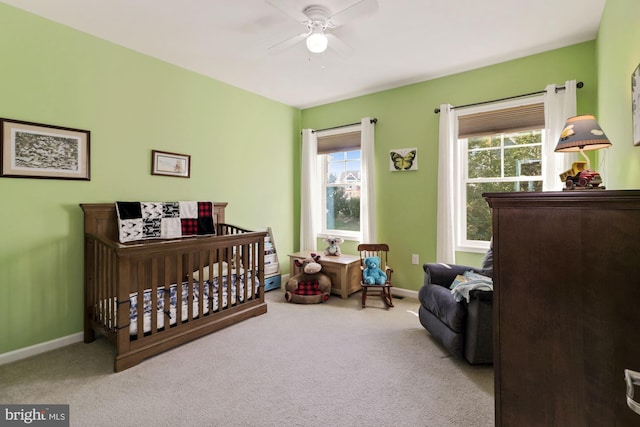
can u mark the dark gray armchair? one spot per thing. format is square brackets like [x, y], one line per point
[464, 328]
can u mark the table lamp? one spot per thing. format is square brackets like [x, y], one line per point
[582, 133]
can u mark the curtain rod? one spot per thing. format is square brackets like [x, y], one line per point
[578, 85]
[374, 121]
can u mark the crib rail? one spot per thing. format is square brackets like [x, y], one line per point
[220, 277]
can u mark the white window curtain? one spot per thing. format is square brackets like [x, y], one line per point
[445, 233]
[559, 105]
[368, 182]
[310, 189]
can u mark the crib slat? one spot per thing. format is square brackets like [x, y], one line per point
[179, 319]
[139, 267]
[154, 295]
[110, 287]
[202, 255]
[189, 288]
[167, 292]
[220, 258]
[123, 303]
[98, 285]
[229, 259]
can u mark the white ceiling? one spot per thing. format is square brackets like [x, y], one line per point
[404, 41]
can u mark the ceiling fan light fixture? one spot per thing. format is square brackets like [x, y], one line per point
[317, 42]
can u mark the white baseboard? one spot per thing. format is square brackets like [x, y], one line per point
[23, 353]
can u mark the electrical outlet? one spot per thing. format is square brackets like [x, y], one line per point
[414, 259]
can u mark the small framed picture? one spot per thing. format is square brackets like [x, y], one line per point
[34, 150]
[635, 105]
[170, 164]
[403, 159]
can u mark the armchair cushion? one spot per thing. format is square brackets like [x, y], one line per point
[439, 301]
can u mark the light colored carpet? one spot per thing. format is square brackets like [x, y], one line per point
[331, 364]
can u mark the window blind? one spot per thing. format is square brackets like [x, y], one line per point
[348, 141]
[507, 120]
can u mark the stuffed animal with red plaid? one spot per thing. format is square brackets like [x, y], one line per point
[310, 285]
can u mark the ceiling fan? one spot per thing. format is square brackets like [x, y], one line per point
[319, 22]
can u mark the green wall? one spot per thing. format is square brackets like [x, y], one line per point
[241, 146]
[407, 200]
[618, 53]
[238, 142]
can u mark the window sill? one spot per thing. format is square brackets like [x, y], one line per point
[479, 247]
[352, 237]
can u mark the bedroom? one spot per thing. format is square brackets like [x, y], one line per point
[133, 104]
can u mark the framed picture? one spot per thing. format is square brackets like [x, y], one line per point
[170, 164]
[635, 105]
[403, 159]
[33, 150]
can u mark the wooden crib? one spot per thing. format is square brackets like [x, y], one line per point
[162, 276]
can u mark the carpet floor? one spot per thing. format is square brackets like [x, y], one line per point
[331, 364]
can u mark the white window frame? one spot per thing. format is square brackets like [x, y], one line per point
[322, 168]
[460, 197]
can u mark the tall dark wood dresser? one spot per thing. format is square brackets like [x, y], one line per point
[566, 306]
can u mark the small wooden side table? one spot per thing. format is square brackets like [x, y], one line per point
[343, 270]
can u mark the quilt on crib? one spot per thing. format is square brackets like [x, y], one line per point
[163, 220]
[210, 301]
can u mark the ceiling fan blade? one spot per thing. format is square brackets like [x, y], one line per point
[358, 9]
[289, 7]
[340, 47]
[286, 44]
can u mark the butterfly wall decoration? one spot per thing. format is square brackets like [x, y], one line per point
[404, 159]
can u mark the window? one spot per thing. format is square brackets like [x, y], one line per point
[339, 158]
[499, 149]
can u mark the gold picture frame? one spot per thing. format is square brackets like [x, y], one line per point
[170, 164]
[35, 150]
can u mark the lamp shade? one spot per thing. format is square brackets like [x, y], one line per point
[582, 133]
[317, 42]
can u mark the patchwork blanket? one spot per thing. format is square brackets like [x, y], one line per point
[163, 220]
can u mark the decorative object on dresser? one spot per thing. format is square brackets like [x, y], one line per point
[147, 296]
[34, 150]
[272, 277]
[380, 251]
[309, 285]
[343, 270]
[565, 306]
[582, 133]
[463, 325]
[170, 164]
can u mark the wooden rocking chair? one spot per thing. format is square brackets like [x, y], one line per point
[380, 250]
